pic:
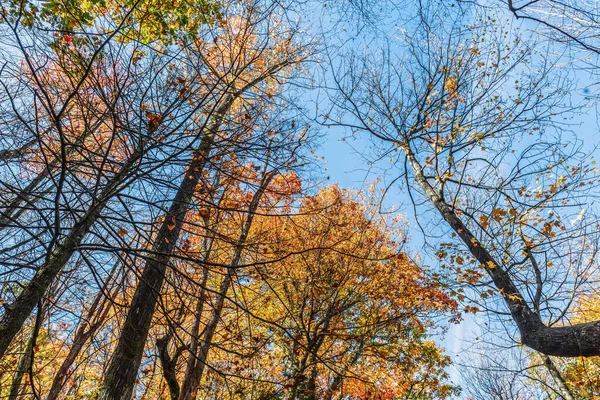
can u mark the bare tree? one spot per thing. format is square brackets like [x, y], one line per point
[455, 114]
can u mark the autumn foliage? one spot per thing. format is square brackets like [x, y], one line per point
[166, 231]
[161, 235]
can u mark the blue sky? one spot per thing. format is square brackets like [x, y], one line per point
[346, 166]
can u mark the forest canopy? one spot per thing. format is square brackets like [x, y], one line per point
[176, 218]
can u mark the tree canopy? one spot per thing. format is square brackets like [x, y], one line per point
[169, 229]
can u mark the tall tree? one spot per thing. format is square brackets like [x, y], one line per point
[248, 59]
[342, 309]
[452, 116]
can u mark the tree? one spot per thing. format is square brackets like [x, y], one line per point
[93, 129]
[247, 59]
[341, 311]
[449, 119]
[293, 322]
[98, 172]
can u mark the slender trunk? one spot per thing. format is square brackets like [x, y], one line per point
[564, 389]
[309, 385]
[195, 333]
[94, 319]
[200, 358]
[168, 366]
[25, 198]
[26, 359]
[17, 312]
[562, 341]
[122, 370]
[305, 387]
[198, 311]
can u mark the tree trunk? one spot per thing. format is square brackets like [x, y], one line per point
[11, 154]
[122, 370]
[337, 382]
[565, 341]
[17, 312]
[564, 389]
[95, 317]
[168, 366]
[26, 359]
[201, 356]
[195, 333]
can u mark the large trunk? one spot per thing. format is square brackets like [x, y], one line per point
[564, 341]
[305, 385]
[17, 312]
[202, 356]
[122, 370]
[307, 388]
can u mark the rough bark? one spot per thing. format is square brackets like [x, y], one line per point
[564, 341]
[122, 370]
[121, 373]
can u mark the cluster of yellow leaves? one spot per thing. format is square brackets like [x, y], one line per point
[583, 374]
[335, 276]
[327, 285]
